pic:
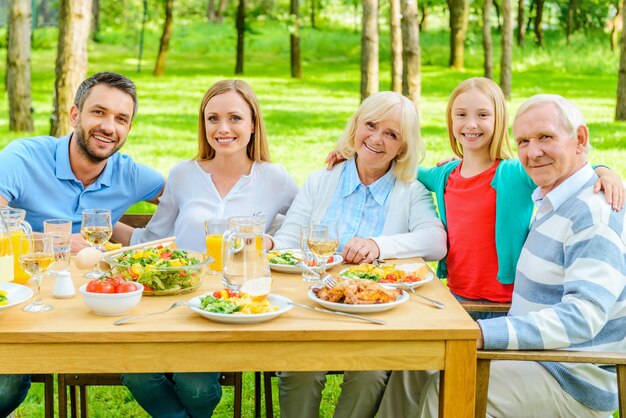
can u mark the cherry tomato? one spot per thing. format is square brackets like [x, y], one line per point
[100, 286]
[115, 280]
[411, 278]
[330, 259]
[391, 278]
[217, 294]
[126, 287]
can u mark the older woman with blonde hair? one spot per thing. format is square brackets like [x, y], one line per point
[230, 176]
[383, 213]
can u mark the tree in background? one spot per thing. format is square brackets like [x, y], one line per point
[459, 10]
[71, 64]
[506, 58]
[369, 49]
[164, 45]
[487, 40]
[294, 38]
[18, 66]
[620, 109]
[520, 31]
[216, 14]
[411, 66]
[395, 31]
[240, 24]
[538, 22]
[615, 24]
[95, 20]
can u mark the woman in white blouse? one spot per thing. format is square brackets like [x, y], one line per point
[230, 176]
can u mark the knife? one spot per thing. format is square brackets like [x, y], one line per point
[313, 308]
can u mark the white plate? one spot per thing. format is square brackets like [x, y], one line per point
[284, 268]
[412, 285]
[344, 307]
[283, 303]
[16, 294]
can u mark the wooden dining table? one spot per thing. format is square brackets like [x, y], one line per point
[417, 336]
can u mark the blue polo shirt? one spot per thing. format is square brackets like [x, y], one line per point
[35, 175]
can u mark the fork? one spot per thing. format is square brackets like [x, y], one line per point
[327, 280]
[433, 301]
[131, 318]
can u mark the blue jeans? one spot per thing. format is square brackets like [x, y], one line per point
[181, 396]
[13, 390]
[479, 315]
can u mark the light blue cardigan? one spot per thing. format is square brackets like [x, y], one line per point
[514, 210]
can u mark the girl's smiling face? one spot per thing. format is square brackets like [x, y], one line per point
[229, 123]
[473, 121]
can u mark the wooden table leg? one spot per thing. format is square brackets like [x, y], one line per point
[458, 380]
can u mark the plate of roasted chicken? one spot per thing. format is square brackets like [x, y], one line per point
[358, 296]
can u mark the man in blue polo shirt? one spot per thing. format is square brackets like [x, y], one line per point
[59, 177]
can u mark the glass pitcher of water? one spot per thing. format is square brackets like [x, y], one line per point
[244, 256]
[17, 227]
[6, 252]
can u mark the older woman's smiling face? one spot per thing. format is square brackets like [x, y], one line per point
[378, 143]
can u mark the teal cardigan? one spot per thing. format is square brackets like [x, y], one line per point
[514, 210]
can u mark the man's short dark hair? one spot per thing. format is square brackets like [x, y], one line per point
[109, 79]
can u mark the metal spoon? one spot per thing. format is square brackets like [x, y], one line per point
[130, 318]
[433, 301]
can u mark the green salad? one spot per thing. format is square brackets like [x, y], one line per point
[285, 258]
[212, 304]
[160, 269]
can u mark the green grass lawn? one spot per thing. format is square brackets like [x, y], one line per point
[305, 117]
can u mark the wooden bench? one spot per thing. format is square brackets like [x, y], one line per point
[561, 356]
[81, 381]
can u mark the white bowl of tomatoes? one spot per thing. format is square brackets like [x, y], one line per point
[106, 297]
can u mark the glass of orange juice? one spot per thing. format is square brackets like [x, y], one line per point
[214, 229]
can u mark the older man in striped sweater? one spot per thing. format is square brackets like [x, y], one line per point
[570, 285]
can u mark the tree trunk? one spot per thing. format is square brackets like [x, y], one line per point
[395, 30]
[506, 59]
[210, 11]
[424, 17]
[43, 13]
[620, 109]
[411, 74]
[159, 68]
[521, 24]
[71, 64]
[369, 49]
[569, 27]
[18, 66]
[615, 24]
[313, 4]
[296, 65]
[459, 10]
[538, 24]
[95, 23]
[240, 24]
[487, 40]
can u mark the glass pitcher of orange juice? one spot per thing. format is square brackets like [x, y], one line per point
[6, 252]
[17, 227]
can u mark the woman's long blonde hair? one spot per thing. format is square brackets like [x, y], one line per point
[500, 147]
[378, 107]
[258, 149]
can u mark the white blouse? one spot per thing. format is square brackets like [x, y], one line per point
[190, 198]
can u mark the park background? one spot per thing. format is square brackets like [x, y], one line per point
[304, 116]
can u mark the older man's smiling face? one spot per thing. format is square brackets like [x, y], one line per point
[546, 149]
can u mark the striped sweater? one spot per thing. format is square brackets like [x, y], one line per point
[570, 293]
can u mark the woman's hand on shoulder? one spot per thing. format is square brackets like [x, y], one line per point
[447, 160]
[360, 250]
[333, 158]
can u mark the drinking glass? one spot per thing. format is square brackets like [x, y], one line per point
[323, 241]
[96, 229]
[61, 232]
[36, 255]
[214, 230]
[308, 257]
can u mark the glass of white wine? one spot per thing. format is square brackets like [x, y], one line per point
[36, 255]
[323, 241]
[96, 229]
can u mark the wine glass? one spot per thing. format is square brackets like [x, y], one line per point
[323, 241]
[61, 232]
[96, 229]
[36, 255]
